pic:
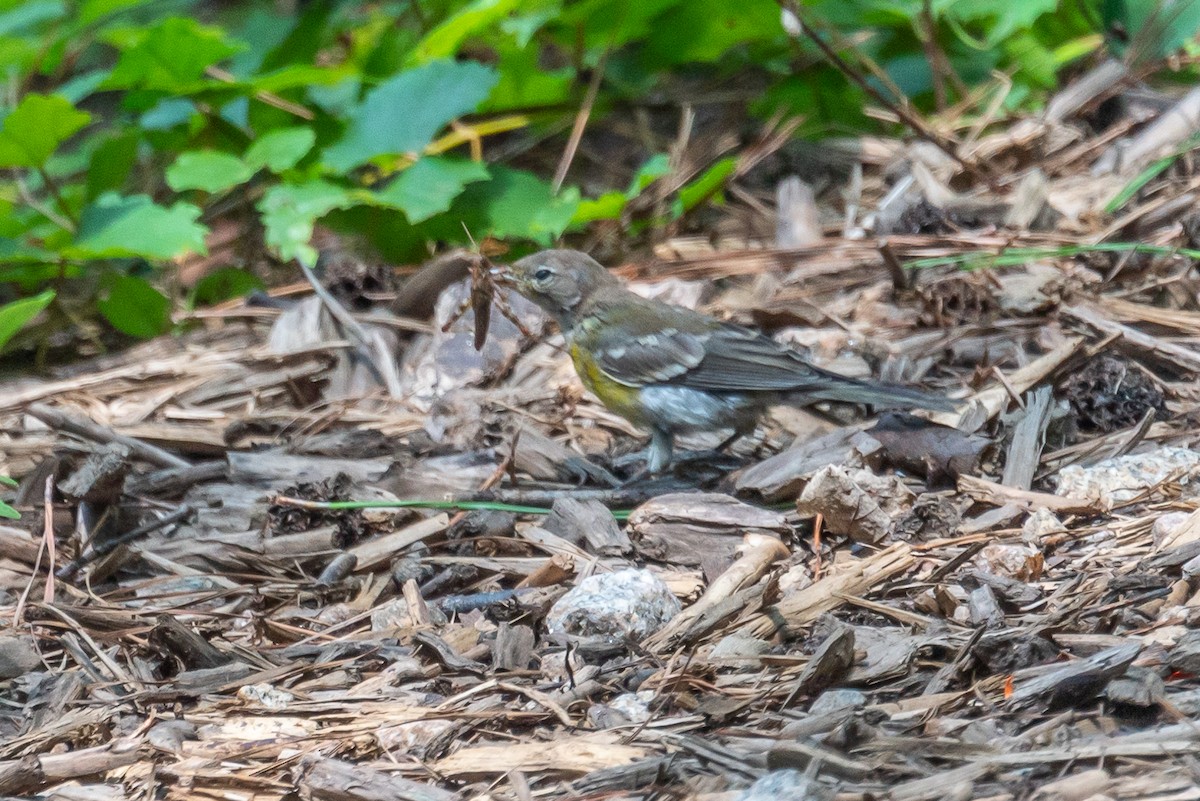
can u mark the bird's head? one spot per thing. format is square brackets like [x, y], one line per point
[559, 281]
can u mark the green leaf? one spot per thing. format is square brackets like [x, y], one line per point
[655, 167]
[35, 129]
[207, 170]
[171, 56]
[134, 307]
[111, 163]
[704, 187]
[30, 14]
[224, 284]
[403, 114]
[444, 40]
[116, 226]
[430, 186]
[289, 211]
[92, 10]
[606, 207]
[8, 512]
[999, 19]
[280, 149]
[702, 30]
[521, 205]
[16, 252]
[14, 316]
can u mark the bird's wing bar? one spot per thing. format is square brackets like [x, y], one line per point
[737, 358]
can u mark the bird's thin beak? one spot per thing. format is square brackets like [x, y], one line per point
[500, 275]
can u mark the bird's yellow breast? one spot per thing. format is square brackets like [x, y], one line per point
[618, 397]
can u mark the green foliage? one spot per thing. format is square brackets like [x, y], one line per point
[117, 226]
[133, 306]
[6, 511]
[16, 315]
[403, 114]
[430, 186]
[36, 127]
[131, 127]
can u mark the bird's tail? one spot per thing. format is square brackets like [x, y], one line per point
[875, 393]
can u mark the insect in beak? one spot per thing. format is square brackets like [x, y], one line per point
[500, 275]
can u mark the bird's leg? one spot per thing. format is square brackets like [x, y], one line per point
[738, 433]
[657, 454]
[721, 450]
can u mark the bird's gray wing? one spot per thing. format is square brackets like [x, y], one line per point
[639, 351]
[688, 349]
[737, 358]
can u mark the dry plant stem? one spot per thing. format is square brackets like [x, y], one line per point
[940, 67]
[82, 427]
[271, 99]
[759, 552]
[999, 495]
[48, 533]
[92, 553]
[371, 348]
[581, 120]
[1185, 359]
[899, 108]
[856, 578]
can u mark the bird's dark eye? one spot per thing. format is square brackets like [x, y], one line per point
[543, 274]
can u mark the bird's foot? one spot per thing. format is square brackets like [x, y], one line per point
[716, 458]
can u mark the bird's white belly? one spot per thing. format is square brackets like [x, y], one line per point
[684, 409]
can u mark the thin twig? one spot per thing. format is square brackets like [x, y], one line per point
[371, 348]
[48, 532]
[581, 120]
[899, 108]
[270, 98]
[92, 553]
[93, 431]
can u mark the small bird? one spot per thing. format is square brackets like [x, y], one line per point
[673, 370]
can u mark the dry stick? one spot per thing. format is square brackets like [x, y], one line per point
[48, 515]
[47, 531]
[82, 427]
[270, 98]
[939, 64]
[370, 347]
[92, 553]
[581, 121]
[900, 109]
[758, 553]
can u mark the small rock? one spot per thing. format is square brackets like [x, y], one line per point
[1123, 478]
[739, 646]
[628, 603]
[790, 784]
[1166, 525]
[1040, 524]
[1139, 687]
[265, 696]
[1185, 656]
[634, 706]
[1018, 561]
[169, 735]
[18, 656]
[832, 701]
